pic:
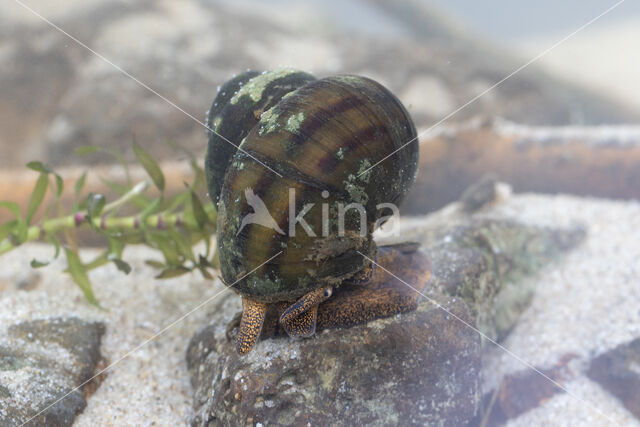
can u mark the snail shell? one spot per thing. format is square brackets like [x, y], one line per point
[322, 136]
[237, 108]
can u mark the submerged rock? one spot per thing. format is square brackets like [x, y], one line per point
[484, 261]
[421, 370]
[420, 367]
[521, 392]
[618, 371]
[42, 361]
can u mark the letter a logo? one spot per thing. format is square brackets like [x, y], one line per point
[260, 215]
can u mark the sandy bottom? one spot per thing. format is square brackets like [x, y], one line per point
[585, 304]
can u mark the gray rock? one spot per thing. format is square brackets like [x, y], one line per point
[42, 361]
[618, 371]
[522, 391]
[419, 368]
[484, 261]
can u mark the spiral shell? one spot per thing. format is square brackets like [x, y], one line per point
[323, 137]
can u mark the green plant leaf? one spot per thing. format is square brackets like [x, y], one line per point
[13, 207]
[198, 211]
[7, 228]
[85, 150]
[198, 180]
[20, 227]
[172, 272]
[38, 264]
[97, 262]
[21, 232]
[56, 244]
[205, 273]
[38, 167]
[59, 185]
[95, 204]
[116, 247]
[54, 241]
[120, 264]
[37, 196]
[176, 201]
[183, 245]
[215, 261]
[139, 200]
[80, 184]
[42, 168]
[149, 165]
[155, 264]
[166, 246]
[80, 276]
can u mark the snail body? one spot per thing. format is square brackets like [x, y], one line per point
[306, 152]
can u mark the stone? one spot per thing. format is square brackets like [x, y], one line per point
[42, 361]
[521, 392]
[423, 370]
[483, 262]
[420, 367]
[618, 371]
[480, 194]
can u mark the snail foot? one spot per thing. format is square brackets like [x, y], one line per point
[303, 325]
[365, 274]
[253, 314]
[305, 303]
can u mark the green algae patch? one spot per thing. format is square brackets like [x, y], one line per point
[294, 122]
[255, 87]
[269, 122]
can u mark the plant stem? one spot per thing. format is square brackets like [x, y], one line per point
[111, 224]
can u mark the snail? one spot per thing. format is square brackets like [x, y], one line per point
[300, 196]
